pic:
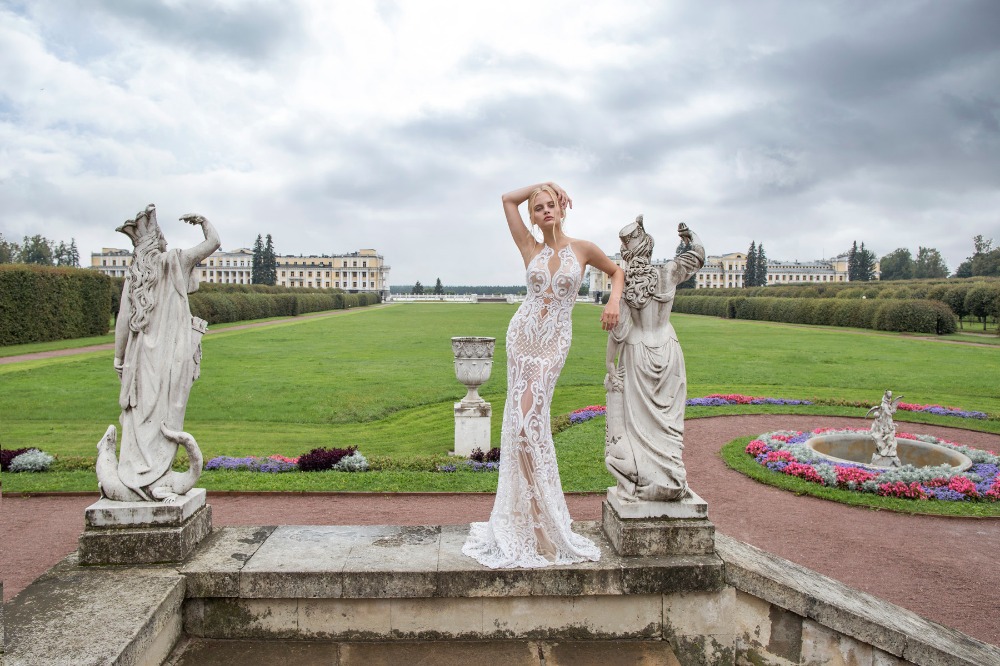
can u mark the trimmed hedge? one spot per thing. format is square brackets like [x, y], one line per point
[884, 314]
[220, 306]
[42, 303]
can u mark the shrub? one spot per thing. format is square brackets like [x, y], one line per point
[322, 459]
[31, 460]
[493, 455]
[6, 455]
[353, 463]
[41, 303]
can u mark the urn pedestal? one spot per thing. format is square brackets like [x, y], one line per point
[473, 364]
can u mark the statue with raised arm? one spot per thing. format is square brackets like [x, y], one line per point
[883, 431]
[646, 381]
[157, 358]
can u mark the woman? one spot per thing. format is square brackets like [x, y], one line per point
[530, 523]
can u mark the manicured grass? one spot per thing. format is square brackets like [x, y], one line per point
[735, 456]
[383, 379]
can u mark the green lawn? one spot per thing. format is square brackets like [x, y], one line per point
[383, 379]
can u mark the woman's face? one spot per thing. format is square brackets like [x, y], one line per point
[545, 211]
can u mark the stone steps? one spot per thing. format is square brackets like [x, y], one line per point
[201, 652]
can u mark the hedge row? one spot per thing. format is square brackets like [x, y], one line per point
[984, 300]
[217, 307]
[916, 316]
[42, 303]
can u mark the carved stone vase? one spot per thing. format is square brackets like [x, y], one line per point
[473, 363]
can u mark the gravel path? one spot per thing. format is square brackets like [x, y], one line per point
[942, 568]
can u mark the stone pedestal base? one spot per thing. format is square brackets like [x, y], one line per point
[144, 532]
[472, 427]
[658, 528]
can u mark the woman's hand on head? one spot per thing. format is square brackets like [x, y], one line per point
[564, 201]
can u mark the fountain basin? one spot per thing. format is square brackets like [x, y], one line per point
[859, 448]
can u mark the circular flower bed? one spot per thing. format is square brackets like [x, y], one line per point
[784, 452]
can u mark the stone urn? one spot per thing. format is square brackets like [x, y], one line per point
[473, 363]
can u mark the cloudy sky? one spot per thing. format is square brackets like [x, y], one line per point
[343, 125]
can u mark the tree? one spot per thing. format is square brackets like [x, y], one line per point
[257, 263]
[438, 289]
[897, 265]
[74, 253]
[964, 269]
[37, 250]
[418, 289]
[852, 263]
[761, 266]
[270, 261]
[750, 272]
[929, 264]
[979, 301]
[10, 252]
[860, 264]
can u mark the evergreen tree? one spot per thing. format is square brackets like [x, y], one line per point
[761, 265]
[750, 272]
[897, 265]
[270, 263]
[61, 254]
[852, 263]
[866, 264]
[438, 288]
[74, 253]
[257, 264]
[418, 289]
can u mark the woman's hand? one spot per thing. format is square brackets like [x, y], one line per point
[564, 201]
[609, 318]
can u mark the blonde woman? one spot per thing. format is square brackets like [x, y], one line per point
[530, 525]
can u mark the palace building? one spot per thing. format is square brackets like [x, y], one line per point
[364, 270]
[725, 271]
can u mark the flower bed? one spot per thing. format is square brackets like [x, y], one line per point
[913, 407]
[785, 452]
[712, 400]
[341, 460]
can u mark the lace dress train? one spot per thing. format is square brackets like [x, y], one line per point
[530, 525]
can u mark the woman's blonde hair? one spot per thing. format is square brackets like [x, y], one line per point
[552, 193]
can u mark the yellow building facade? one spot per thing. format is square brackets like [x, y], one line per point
[364, 270]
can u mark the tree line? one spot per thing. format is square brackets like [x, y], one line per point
[900, 264]
[39, 251]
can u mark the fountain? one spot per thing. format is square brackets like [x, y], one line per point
[881, 447]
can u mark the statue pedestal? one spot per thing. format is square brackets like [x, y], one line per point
[658, 528]
[144, 532]
[472, 427]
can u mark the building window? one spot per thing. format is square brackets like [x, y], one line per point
[364, 263]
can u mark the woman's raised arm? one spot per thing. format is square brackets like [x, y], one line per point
[518, 229]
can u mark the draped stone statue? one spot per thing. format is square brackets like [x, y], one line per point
[157, 358]
[646, 381]
[883, 431]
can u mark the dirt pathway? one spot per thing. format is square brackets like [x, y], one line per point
[942, 568]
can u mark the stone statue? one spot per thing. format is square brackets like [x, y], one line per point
[883, 431]
[646, 382]
[157, 358]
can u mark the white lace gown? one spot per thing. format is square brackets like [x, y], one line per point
[530, 524]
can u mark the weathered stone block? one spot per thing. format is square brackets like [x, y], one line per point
[145, 545]
[635, 616]
[214, 568]
[691, 505]
[437, 619]
[105, 513]
[821, 645]
[632, 537]
[351, 619]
